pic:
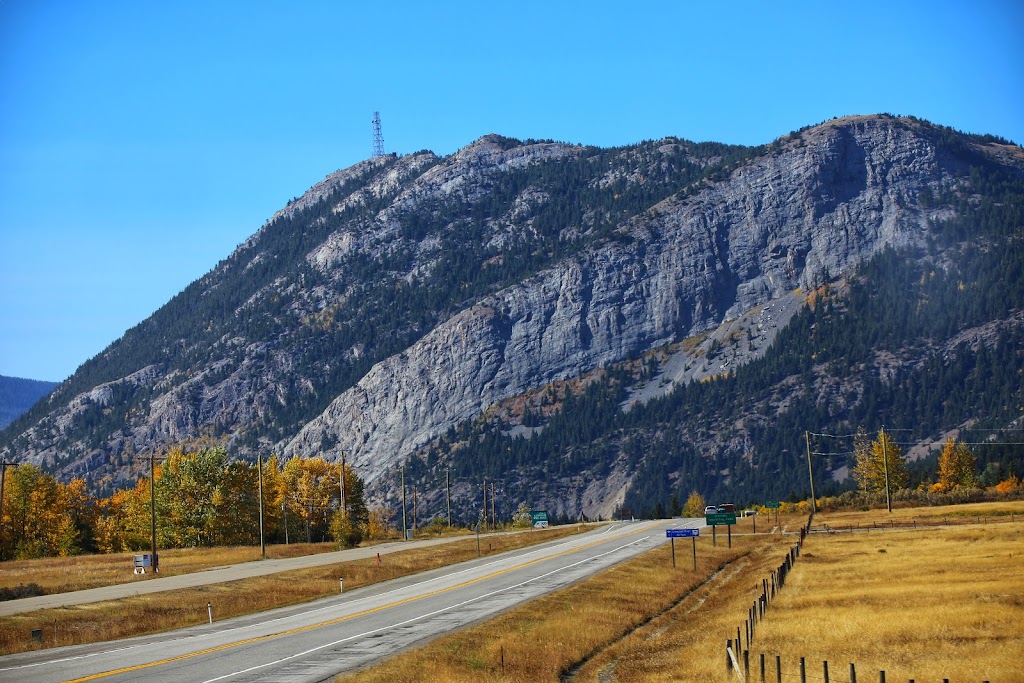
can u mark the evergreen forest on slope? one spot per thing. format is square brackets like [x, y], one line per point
[820, 376]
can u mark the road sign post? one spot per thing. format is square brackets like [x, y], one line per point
[774, 505]
[716, 518]
[673, 534]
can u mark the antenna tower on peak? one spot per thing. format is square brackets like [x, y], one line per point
[378, 141]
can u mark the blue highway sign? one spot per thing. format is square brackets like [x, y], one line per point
[681, 533]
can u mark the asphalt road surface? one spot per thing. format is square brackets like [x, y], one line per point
[318, 640]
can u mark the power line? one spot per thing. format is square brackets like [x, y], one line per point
[931, 444]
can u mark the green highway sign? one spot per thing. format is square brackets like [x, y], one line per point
[720, 518]
[773, 504]
[539, 518]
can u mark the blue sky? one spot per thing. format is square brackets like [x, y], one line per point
[140, 143]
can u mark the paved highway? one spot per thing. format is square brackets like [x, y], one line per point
[235, 572]
[315, 641]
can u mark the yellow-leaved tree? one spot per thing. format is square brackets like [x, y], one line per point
[957, 467]
[312, 485]
[43, 517]
[694, 506]
[876, 459]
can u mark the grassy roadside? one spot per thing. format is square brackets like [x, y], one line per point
[165, 611]
[65, 574]
[932, 603]
[941, 603]
[923, 604]
[549, 637]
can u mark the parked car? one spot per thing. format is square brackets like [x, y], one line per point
[727, 507]
[710, 510]
[749, 513]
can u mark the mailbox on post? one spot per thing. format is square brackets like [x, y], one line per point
[141, 562]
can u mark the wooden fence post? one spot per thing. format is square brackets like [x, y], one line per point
[728, 661]
[853, 673]
[778, 668]
[762, 668]
[803, 671]
[746, 665]
[881, 676]
[824, 670]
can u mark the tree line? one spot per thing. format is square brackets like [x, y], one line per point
[202, 499]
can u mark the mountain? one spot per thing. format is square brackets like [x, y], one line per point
[17, 395]
[544, 314]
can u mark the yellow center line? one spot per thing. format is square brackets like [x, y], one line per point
[338, 620]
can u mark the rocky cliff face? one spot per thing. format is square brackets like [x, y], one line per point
[402, 296]
[820, 204]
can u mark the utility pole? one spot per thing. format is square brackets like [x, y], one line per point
[810, 472]
[448, 495]
[152, 509]
[485, 505]
[415, 512]
[344, 508]
[405, 532]
[284, 510]
[494, 519]
[259, 470]
[885, 465]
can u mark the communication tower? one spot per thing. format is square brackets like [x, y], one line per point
[378, 141]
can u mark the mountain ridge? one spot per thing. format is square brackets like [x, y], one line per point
[403, 296]
[18, 395]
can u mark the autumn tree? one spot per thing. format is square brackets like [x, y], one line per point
[379, 525]
[1009, 485]
[43, 517]
[123, 520]
[312, 485]
[877, 459]
[273, 500]
[522, 519]
[350, 525]
[694, 506]
[237, 505]
[957, 466]
[187, 493]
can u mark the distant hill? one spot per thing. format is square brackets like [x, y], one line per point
[17, 395]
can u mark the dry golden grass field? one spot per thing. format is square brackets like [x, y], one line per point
[932, 603]
[65, 574]
[927, 604]
[166, 611]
